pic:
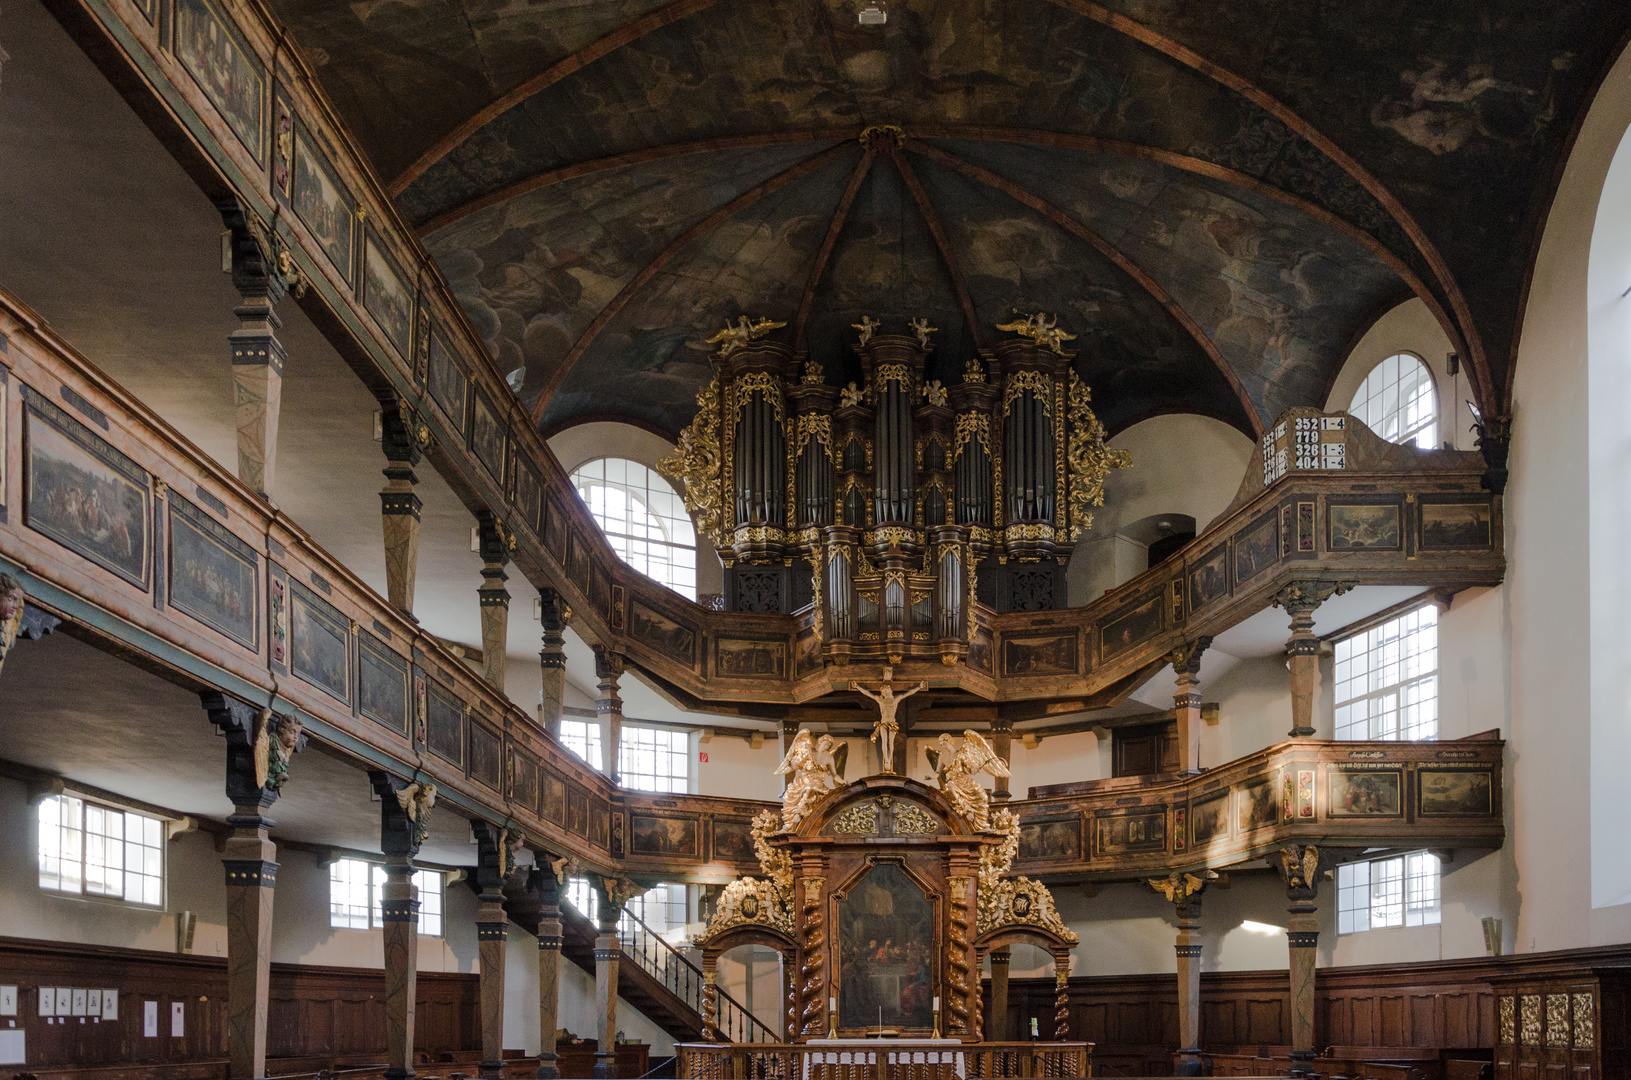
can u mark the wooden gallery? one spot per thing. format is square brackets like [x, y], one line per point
[814, 540]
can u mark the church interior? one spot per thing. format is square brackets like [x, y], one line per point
[847, 539]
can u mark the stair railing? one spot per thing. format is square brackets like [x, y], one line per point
[683, 979]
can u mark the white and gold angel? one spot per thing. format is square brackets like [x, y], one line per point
[959, 767]
[732, 338]
[1047, 335]
[813, 767]
[867, 326]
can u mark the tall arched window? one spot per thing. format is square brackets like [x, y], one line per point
[643, 518]
[1398, 401]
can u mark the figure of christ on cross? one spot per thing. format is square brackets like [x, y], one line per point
[883, 732]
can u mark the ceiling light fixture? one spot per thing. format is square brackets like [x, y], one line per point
[875, 13]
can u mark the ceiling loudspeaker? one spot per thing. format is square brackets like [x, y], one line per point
[875, 13]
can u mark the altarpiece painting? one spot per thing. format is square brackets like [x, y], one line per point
[886, 953]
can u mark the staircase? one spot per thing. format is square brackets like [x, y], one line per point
[654, 977]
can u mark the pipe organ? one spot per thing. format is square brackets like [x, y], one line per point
[895, 504]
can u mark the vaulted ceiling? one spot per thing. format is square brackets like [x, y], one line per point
[1216, 198]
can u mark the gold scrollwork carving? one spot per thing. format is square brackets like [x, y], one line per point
[1529, 1019]
[1036, 382]
[970, 425]
[732, 338]
[1089, 460]
[858, 820]
[1509, 1021]
[1557, 1020]
[744, 386]
[1585, 1024]
[897, 373]
[1035, 531]
[913, 820]
[1020, 902]
[695, 465]
[1047, 335]
[816, 426]
[892, 535]
[974, 370]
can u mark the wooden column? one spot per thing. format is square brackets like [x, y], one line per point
[552, 659]
[399, 505]
[710, 997]
[1002, 741]
[1186, 702]
[1189, 986]
[259, 747]
[1000, 959]
[545, 884]
[1302, 651]
[609, 709]
[1061, 995]
[257, 355]
[404, 812]
[610, 896]
[495, 544]
[1300, 868]
[494, 852]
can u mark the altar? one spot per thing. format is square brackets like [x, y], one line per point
[883, 896]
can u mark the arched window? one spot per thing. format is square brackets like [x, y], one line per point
[1397, 400]
[644, 519]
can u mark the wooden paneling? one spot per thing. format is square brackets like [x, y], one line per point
[327, 1013]
[1440, 1009]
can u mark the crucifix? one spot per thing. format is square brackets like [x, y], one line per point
[883, 732]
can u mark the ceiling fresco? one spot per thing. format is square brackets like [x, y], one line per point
[1217, 199]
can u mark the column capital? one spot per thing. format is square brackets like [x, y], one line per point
[495, 856]
[1302, 597]
[494, 538]
[262, 266]
[1300, 867]
[260, 746]
[554, 613]
[1183, 889]
[404, 812]
[611, 893]
[403, 435]
[1186, 658]
[609, 665]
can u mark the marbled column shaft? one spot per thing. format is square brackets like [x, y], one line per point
[1189, 987]
[609, 709]
[607, 952]
[1186, 702]
[399, 911]
[999, 994]
[552, 661]
[250, 859]
[1303, 937]
[257, 390]
[495, 598]
[549, 973]
[399, 518]
[490, 941]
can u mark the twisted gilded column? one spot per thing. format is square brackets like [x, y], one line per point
[259, 748]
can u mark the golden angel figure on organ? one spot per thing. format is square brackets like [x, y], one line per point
[883, 732]
[809, 777]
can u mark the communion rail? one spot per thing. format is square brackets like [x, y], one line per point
[884, 1060]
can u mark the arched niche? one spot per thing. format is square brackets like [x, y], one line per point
[715, 1026]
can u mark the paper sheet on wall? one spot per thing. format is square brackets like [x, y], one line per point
[12, 1050]
[178, 1020]
[110, 1004]
[48, 1001]
[150, 1019]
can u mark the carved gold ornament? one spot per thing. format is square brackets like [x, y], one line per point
[811, 772]
[1529, 1019]
[813, 375]
[1036, 382]
[1020, 902]
[884, 132]
[1298, 866]
[898, 373]
[732, 338]
[1557, 1020]
[1585, 1026]
[913, 820]
[860, 819]
[1047, 335]
[1088, 460]
[694, 466]
[620, 891]
[276, 740]
[416, 801]
[1509, 1021]
[766, 901]
[756, 381]
[974, 370]
[1179, 887]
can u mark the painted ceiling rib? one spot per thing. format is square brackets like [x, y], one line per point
[619, 161]
[1071, 225]
[1478, 366]
[830, 241]
[1199, 167]
[690, 236]
[932, 220]
[557, 71]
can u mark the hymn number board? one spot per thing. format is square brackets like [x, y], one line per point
[1305, 442]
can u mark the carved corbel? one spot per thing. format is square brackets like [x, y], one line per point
[1495, 443]
[260, 746]
[1179, 888]
[1300, 867]
[404, 812]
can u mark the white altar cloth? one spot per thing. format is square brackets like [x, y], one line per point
[895, 1051]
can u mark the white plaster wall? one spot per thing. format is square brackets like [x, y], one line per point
[1410, 328]
[1182, 464]
[736, 769]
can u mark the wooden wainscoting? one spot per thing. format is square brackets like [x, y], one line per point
[1396, 1010]
[316, 1012]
